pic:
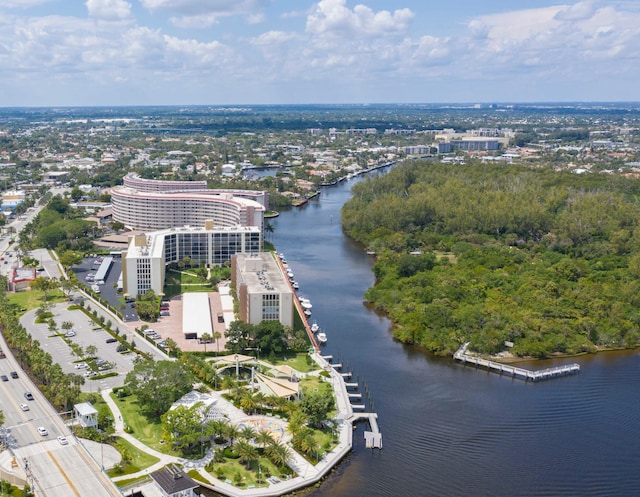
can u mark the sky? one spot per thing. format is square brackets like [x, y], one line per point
[227, 52]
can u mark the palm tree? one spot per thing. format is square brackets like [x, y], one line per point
[217, 336]
[248, 402]
[247, 452]
[205, 338]
[264, 438]
[247, 433]
[231, 432]
[279, 454]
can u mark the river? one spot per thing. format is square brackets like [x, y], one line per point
[451, 430]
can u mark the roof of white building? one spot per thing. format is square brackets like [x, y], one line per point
[196, 314]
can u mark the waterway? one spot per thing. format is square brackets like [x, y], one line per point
[451, 430]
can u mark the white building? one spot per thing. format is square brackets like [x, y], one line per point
[144, 261]
[263, 292]
[142, 204]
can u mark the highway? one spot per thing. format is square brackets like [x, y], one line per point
[52, 468]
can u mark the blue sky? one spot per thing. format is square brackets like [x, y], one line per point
[156, 52]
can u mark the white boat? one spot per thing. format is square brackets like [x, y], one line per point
[307, 312]
[322, 337]
[306, 304]
[315, 327]
[281, 255]
[295, 285]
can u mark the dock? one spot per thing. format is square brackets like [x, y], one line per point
[373, 438]
[515, 372]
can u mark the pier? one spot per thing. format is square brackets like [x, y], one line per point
[515, 372]
[373, 438]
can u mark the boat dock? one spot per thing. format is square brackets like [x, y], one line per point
[520, 373]
[373, 438]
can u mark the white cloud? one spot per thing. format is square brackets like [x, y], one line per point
[109, 10]
[576, 12]
[334, 18]
[194, 22]
[273, 38]
[198, 7]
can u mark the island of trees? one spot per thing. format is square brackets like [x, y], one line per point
[544, 259]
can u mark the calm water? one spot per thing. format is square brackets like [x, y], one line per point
[450, 430]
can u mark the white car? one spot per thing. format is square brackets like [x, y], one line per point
[70, 334]
[43, 431]
[81, 365]
[62, 440]
[24, 407]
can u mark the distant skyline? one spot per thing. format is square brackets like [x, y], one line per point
[223, 52]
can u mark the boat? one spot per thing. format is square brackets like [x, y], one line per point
[295, 285]
[315, 327]
[281, 255]
[307, 312]
[306, 304]
[322, 337]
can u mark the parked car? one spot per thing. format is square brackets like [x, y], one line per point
[111, 340]
[165, 313]
[70, 334]
[81, 365]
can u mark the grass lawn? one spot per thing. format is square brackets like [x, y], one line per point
[139, 460]
[32, 299]
[300, 362]
[133, 481]
[314, 384]
[149, 432]
[237, 473]
[195, 474]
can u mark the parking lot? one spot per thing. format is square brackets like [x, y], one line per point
[86, 333]
[108, 290]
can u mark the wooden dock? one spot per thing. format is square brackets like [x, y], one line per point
[520, 373]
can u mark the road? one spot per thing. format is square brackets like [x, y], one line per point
[52, 469]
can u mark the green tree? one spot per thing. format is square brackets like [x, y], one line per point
[183, 425]
[317, 406]
[158, 384]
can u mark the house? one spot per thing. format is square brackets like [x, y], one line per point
[86, 414]
[173, 482]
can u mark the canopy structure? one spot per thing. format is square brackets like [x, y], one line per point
[277, 386]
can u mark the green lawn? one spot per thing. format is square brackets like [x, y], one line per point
[139, 460]
[238, 474]
[300, 362]
[32, 299]
[149, 432]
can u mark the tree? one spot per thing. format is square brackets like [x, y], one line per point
[69, 258]
[171, 345]
[158, 384]
[317, 405]
[205, 338]
[279, 454]
[247, 452]
[217, 336]
[91, 350]
[183, 425]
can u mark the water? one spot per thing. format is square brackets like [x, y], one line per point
[451, 430]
